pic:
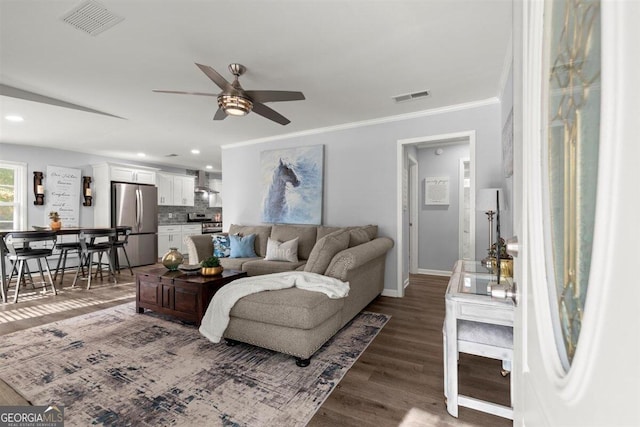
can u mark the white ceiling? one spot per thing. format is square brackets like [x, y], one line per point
[349, 58]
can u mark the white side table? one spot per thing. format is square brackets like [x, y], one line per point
[468, 299]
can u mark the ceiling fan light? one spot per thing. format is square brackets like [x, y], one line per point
[235, 105]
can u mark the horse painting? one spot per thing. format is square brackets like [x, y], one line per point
[275, 207]
[291, 182]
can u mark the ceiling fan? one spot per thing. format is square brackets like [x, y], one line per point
[235, 101]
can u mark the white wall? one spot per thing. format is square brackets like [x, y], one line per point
[360, 170]
[439, 224]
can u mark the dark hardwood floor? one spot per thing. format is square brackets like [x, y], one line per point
[401, 369]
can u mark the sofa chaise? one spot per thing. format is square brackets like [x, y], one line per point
[295, 321]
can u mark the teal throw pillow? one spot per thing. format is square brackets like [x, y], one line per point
[221, 245]
[242, 247]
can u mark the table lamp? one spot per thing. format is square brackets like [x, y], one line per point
[486, 201]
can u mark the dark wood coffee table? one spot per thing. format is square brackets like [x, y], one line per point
[184, 296]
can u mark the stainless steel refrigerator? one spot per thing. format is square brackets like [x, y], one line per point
[136, 206]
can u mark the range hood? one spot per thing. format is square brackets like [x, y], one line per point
[202, 183]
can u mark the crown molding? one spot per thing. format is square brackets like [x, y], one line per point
[389, 119]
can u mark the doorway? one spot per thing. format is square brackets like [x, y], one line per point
[409, 205]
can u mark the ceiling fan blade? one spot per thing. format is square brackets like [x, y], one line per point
[179, 92]
[220, 115]
[215, 77]
[270, 114]
[274, 95]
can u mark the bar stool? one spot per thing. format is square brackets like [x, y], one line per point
[18, 245]
[65, 248]
[89, 246]
[122, 244]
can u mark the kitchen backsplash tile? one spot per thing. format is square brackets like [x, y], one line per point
[179, 213]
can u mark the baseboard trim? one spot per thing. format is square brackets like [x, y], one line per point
[434, 272]
[390, 293]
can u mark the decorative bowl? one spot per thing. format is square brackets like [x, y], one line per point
[211, 271]
[189, 268]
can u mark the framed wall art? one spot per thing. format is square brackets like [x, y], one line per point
[436, 190]
[292, 185]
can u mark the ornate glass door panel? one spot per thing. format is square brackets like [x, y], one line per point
[572, 52]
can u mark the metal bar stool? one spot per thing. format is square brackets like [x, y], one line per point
[3, 251]
[65, 248]
[89, 247]
[18, 244]
[121, 243]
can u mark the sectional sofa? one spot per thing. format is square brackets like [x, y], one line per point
[295, 321]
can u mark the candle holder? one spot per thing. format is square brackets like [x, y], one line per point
[86, 190]
[38, 188]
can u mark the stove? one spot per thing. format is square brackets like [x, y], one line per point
[210, 223]
[211, 227]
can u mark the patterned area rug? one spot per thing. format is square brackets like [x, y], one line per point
[116, 367]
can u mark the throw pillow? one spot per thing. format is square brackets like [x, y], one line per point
[358, 236]
[242, 247]
[325, 249]
[221, 245]
[282, 251]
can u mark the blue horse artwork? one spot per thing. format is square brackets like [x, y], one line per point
[276, 204]
[292, 185]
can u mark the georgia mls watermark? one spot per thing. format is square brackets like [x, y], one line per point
[32, 416]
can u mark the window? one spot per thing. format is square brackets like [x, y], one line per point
[573, 49]
[13, 196]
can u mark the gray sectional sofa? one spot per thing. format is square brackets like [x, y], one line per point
[296, 321]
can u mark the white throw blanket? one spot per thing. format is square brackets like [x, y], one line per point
[216, 318]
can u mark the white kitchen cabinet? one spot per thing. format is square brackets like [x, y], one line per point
[175, 190]
[172, 236]
[134, 175]
[183, 190]
[165, 189]
[215, 197]
[169, 236]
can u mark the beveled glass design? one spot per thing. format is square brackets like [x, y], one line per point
[573, 136]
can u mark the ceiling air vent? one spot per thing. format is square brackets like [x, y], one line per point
[91, 17]
[171, 155]
[411, 96]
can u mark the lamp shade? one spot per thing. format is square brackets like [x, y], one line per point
[486, 200]
[235, 105]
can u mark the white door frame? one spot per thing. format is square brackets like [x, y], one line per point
[400, 154]
[414, 200]
[472, 247]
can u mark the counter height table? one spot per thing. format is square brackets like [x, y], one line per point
[4, 285]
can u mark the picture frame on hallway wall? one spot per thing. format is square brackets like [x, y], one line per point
[292, 185]
[436, 190]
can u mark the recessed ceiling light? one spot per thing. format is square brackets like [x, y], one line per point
[141, 154]
[195, 151]
[209, 167]
[14, 118]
